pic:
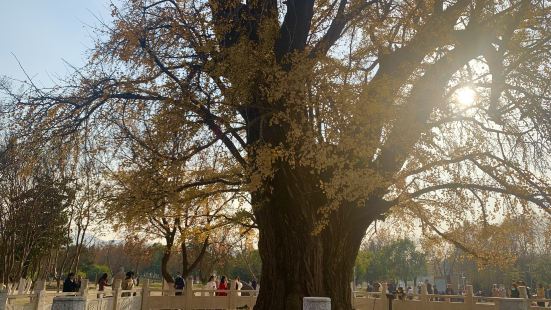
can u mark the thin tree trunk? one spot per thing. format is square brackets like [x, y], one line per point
[186, 267]
[169, 239]
[37, 269]
[79, 246]
[72, 266]
[67, 249]
[164, 264]
[5, 255]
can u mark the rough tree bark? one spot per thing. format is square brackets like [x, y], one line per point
[296, 262]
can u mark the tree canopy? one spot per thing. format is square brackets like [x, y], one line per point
[329, 113]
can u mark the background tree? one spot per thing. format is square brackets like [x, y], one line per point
[334, 112]
[397, 260]
[153, 200]
[171, 193]
[517, 244]
[29, 187]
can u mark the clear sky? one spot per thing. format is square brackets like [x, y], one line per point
[43, 33]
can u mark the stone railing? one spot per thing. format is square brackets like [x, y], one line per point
[425, 301]
[146, 298]
[119, 299]
[26, 297]
[197, 298]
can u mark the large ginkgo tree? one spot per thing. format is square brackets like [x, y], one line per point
[330, 112]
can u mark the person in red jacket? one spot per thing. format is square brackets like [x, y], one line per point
[222, 286]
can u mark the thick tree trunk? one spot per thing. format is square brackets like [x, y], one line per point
[296, 262]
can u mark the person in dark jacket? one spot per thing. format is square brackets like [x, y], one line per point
[514, 291]
[102, 283]
[70, 285]
[179, 283]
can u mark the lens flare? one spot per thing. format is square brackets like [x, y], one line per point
[465, 97]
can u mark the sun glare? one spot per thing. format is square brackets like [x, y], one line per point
[465, 96]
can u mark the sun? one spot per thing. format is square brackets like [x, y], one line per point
[465, 96]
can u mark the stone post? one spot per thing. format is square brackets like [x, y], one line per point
[164, 287]
[21, 287]
[3, 297]
[116, 294]
[83, 291]
[523, 292]
[145, 295]
[424, 293]
[316, 303]
[172, 289]
[352, 296]
[231, 295]
[188, 294]
[384, 297]
[469, 295]
[40, 290]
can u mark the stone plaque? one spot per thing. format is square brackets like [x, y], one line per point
[69, 303]
[513, 304]
[315, 303]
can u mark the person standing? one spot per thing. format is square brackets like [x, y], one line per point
[70, 285]
[502, 291]
[449, 290]
[540, 295]
[102, 283]
[223, 286]
[179, 283]
[127, 284]
[400, 294]
[495, 291]
[211, 285]
[514, 291]
[429, 287]
[237, 285]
